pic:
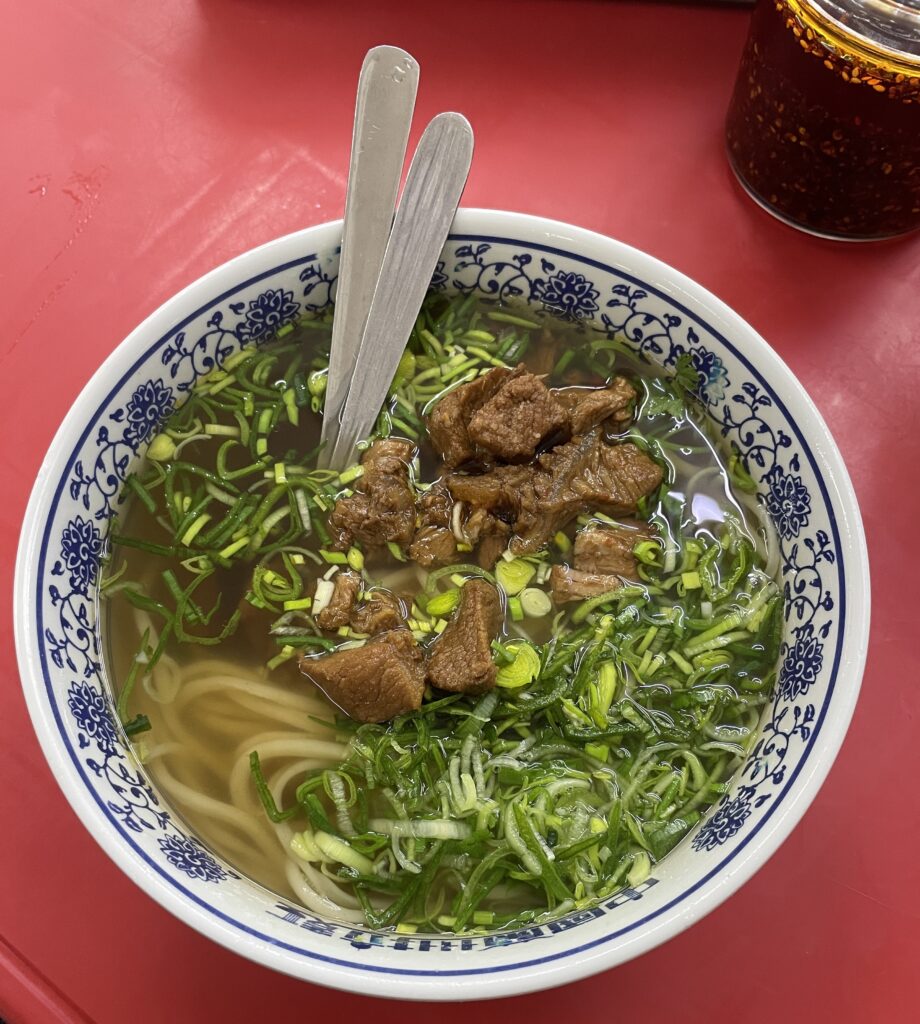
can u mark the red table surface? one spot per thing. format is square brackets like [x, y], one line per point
[143, 143]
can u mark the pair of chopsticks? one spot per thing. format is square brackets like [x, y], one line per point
[386, 264]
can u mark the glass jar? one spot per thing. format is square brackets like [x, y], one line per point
[823, 129]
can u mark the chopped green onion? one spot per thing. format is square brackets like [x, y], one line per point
[161, 448]
[522, 670]
[508, 318]
[396, 551]
[443, 604]
[324, 591]
[268, 801]
[562, 542]
[232, 549]
[197, 526]
[286, 653]
[484, 336]
[348, 476]
[535, 603]
[339, 850]
[514, 575]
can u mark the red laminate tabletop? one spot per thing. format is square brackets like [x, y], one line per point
[143, 143]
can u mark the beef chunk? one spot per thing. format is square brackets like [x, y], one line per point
[461, 659]
[489, 533]
[447, 425]
[382, 610]
[434, 543]
[589, 407]
[435, 506]
[611, 478]
[382, 509]
[389, 456]
[497, 491]
[513, 423]
[373, 683]
[504, 414]
[601, 549]
[433, 546]
[347, 586]
[494, 501]
[574, 585]
[493, 544]
[585, 475]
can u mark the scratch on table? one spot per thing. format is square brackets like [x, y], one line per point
[168, 223]
[49, 298]
[868, 896]
[262, 176]
[84, 190]
[333, 175]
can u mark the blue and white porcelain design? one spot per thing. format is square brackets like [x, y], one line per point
[584, 278]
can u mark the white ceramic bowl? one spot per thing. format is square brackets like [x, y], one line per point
[749, 392]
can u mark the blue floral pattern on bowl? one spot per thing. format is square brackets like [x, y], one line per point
[567, 295]
[266, 313]
[81, 546]
[190, 857]
[788, 502]
[602, 299]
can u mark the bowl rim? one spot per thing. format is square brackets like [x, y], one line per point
[746, 857]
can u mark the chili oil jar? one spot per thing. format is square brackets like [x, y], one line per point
[823, 129]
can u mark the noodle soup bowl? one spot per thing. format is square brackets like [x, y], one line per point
[609, 287]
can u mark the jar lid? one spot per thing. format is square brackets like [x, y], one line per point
[892, 26]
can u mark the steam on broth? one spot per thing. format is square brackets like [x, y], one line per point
[494, 671]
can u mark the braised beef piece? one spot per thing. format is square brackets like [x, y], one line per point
[447, 425]
[609, 478]
[497, 491]
[517, 419]
[433, 546]
[347, 586]
[461, 658]
[494, 502]
[574, 585]
[382, 509]
[435, 506]
[587, 408]
[380, 611]
[434, 542]
[604, 549]
[504, 414]
[373, 683]
[584, 475]
[489, 534]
